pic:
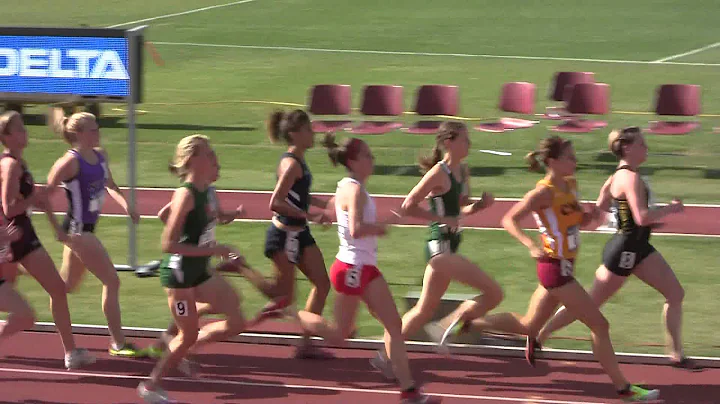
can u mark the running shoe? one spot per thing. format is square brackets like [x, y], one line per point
[312, 352]
[273, 309]
[155, 396]
[531, 345]
[687, 364]
[154, 352]
[416, 396]
[129, 350]
[436, 333]
[78, 358]
[636, 393]
[383, 365]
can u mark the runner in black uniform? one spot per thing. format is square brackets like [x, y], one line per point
[18, 197]
[629, 251]
[20, 315]
[288, 242]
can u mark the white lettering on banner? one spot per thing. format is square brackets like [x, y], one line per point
[32, 62]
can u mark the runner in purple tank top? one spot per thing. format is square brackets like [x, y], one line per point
[85, 193]
[84, 173]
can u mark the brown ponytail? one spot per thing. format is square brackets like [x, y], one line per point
[281, 124]
[620, 138]
[550, 148]
[342, 153]
[448, 131]
[533, 163]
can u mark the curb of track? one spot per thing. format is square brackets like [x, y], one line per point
[412, 346]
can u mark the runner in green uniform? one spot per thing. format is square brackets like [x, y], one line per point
[446, 185]
[189, 241]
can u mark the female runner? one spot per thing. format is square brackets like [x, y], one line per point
[189, 241]
[629, 251]
[18, 197]
[354, 274]
[84, 173]
[554, 203]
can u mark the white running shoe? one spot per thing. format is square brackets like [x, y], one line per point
[78, 358]
[156, 396]
[436, 332]
[384, 366]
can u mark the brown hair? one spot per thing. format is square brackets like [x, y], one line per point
[281, 123]
[186, 148]
[550, 148]
[69, 127]
[5, 120]
[344, 152]
[448, 131]
[623, 137]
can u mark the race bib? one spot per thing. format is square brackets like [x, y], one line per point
[207, 238]
[573, 237]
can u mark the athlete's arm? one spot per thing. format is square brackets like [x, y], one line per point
[601, 208]
[290, 171]
[411, 205]
[635, 195]
[468, 205]
[535, 200]
[115, 191]
[164, 213]
[356, 198]
[12, 203]
[182, 203]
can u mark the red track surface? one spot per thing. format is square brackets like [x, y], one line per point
[31, 369]
[695, 220]
[31, 372]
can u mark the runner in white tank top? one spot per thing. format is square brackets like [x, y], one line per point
[362, 251]
[354, 274]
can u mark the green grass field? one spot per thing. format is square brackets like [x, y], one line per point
[223, 66]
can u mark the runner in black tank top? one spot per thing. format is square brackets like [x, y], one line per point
[629, 250]
[289, 243]
[20, 196]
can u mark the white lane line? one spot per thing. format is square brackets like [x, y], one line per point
[197, 10]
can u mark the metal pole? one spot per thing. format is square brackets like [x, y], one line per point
[132, 165]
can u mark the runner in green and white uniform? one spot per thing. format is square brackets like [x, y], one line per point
[444, 238]
[178, 272]
[189, 241]
[446, 185]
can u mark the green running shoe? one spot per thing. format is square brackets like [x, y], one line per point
[635, 393]
[129, 350]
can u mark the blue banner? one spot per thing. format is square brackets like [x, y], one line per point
[89, 66]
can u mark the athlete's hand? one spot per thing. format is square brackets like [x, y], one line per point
[225, 251]
[134, 216]
[486, 200]
[676, 206]
[10, 234]
[537, 253]
[323, 219]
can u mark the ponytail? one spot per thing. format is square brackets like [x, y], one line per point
[533, 163]
[337, 154]
[428, 162]
[281, 124]
[273, 125]
[448, 131]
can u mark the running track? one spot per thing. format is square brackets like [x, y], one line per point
[31, 372]
[31, 369]
[696, 220]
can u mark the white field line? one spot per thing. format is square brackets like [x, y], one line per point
[688, 53]
[197, 10]
[408, 53]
